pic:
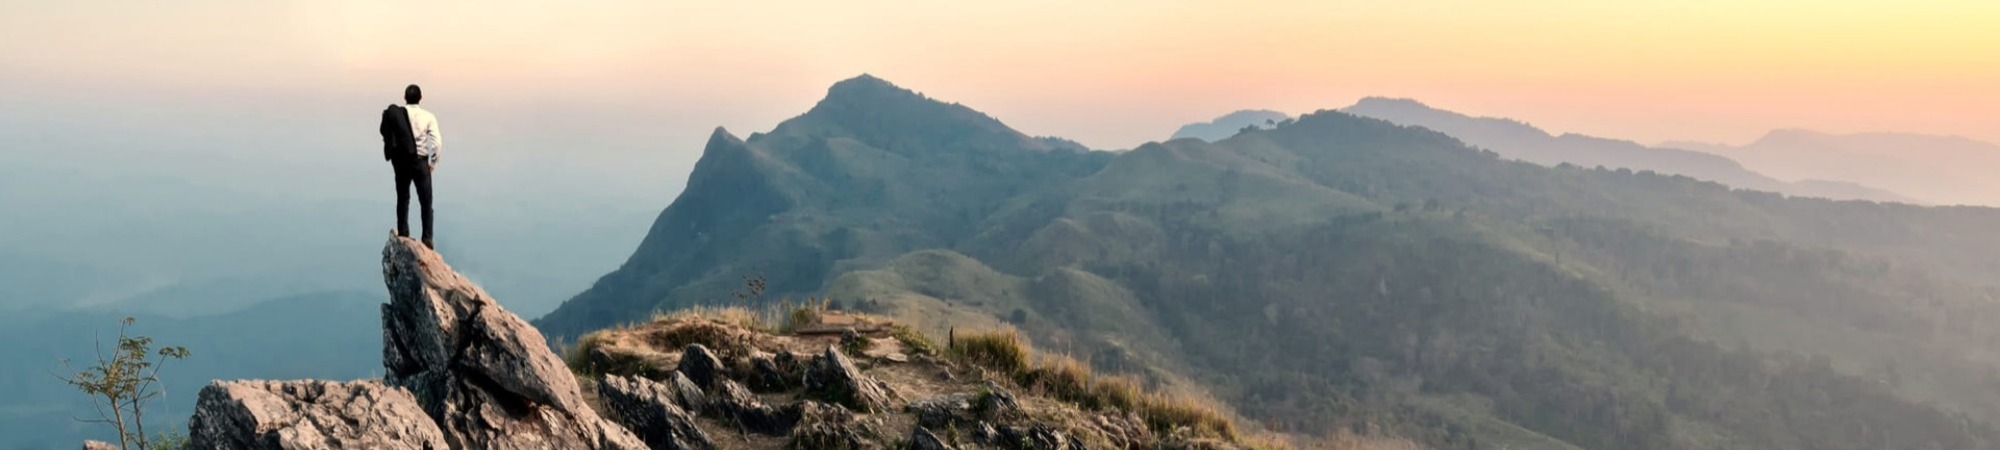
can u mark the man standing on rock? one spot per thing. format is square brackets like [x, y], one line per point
[412, 143]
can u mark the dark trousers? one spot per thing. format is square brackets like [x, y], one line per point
[412, 172]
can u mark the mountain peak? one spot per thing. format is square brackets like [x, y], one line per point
[869, 88]
[1790, 136]
[721, 137]
[1229, 124]
[879, 113]
[1389, 102]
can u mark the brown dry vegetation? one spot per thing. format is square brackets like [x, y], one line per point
[1067, 379]
[1059, 389]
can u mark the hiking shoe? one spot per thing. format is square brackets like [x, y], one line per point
[430, 245]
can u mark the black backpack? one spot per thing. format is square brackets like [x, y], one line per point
[397, 140]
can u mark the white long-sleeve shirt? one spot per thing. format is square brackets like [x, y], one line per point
[424, 125]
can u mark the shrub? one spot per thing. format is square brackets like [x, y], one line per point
[802, 315]
[120, 386]
[912, 340]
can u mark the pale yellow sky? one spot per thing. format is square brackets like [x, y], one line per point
[1110, 73]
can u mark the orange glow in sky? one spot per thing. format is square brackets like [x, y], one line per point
[1112, 74]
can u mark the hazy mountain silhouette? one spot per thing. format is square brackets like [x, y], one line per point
[1519, 140]
[1338, 269]
[1940, 169]
[329, 334]
[1229, 124]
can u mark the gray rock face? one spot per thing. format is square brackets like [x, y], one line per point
[1038, 437]
[943, 410]
[775, 373]
[997, 401]
[923, 439]
[734, 403]
[98, 445]
[308, 415]
[690, 396]
[480, 371]
[831, 426]
[648, 407]
[701, 365]
[833, 377]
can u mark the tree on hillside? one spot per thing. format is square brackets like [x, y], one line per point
[122, 383]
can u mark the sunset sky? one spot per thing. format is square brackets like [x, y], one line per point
[1110, 74]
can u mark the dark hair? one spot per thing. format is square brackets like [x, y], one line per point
[412, 94]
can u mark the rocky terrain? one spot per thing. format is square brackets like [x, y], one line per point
[461, 372]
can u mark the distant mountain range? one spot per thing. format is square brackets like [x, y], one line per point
[1339, 272]
[1518, 140]
[1940, 169]
[1230, 124]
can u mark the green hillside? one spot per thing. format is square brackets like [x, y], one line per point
[1344, 273]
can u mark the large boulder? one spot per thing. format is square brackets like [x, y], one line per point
[734, 404]
[647, 407]
[481, 372]
[832, 377]
[311, 414]
[944, 410]
[701, 365]
[690, 395]
[774, 373]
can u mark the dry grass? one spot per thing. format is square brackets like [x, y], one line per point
[734, 330]
[1001, 350]
[1166, 412]
[742, 317]
[640, 349]
[803, 314]
[1350, 441]
[912, 340]
[1069, 380]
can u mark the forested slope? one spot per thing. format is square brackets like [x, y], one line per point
[1344, 272]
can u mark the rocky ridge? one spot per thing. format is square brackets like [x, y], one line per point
[461, 372]
[741, 382]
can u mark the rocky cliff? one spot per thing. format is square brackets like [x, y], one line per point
[461, 372]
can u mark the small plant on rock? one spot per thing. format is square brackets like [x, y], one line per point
[122, 383]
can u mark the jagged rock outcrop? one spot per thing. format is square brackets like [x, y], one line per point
[823, 425]
[1037, 437]
[690, 396]
[923, 439]
[833, 377]
[648, 408]
[462, 373]
[311, 414]
[732, 402]
[773, 373]
[98, 445]
[943, 410]
[701, 365]
[481, 372]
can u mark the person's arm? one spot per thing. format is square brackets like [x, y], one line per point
[437, 141]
